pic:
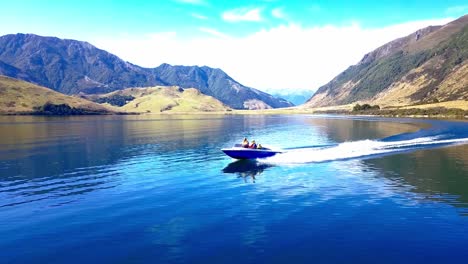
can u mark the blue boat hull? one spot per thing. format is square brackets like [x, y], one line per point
[249, 153]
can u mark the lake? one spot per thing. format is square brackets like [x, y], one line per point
[157, 189]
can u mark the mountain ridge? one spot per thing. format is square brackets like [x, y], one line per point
[71, 67]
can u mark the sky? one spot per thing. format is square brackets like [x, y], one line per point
[265, 44]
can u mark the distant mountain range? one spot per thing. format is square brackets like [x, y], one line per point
[297, 97]
[74, 67]
[427, 66]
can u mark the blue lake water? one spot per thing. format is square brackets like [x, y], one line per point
[157, 189]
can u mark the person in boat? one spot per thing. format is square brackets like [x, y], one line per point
[259, 146]
[245, 143]
[253, 145]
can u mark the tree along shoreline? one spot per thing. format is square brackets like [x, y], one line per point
[407, 112]
[50, 109]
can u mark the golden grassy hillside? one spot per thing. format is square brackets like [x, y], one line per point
[428, 66]
[162, 99]
[22, 97]
[457, 104]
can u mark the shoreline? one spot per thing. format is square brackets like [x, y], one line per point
[259, 112]
[345, 110]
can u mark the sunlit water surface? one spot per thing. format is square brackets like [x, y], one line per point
[123, 189]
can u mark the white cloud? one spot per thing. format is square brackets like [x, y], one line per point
[278, 13]
[288, 56]
[198, 16]
[160, 36]
[243, 14]
[214, 32]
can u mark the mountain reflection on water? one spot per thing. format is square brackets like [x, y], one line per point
[438, 174]
[84, 154]
[158, 189]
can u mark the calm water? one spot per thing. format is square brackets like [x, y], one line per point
[131, 189]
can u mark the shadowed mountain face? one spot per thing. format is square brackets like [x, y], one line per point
[69, 66]
[72, 67]
[427, 66]
[11, 71]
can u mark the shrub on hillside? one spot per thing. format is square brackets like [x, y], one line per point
[365, 107]
[64, 109]
[117, 100]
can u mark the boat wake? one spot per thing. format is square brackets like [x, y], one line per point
[361, 149]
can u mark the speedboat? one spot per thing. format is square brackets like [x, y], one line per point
[239, 152]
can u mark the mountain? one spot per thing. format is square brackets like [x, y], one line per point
[18, 96]
[216, 83]
[73, 67]
[159, 99]
[427, 66]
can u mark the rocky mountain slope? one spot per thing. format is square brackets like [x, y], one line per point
[72, 67]
[430, 65]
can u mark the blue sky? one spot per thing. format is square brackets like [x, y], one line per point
[269, 44]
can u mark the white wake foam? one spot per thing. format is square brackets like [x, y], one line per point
[356, 149]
